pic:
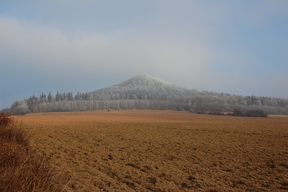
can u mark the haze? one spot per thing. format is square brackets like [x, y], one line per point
[237, 47]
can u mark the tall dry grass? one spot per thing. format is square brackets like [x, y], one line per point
[21, 168]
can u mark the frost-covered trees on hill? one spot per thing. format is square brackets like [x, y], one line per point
[190, 101]
[20, 107]
[145, 92]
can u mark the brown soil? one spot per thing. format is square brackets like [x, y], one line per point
[135, 150]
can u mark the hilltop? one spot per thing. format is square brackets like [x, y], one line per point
[142, 87]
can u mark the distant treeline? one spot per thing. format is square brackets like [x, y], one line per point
[188, 100]
[238, 112]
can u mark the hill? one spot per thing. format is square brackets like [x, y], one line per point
[147, 92]
[141, 87]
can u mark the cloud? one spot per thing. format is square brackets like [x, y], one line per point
[52, 58]
[48, 48]
[82, 46]
[38, 45]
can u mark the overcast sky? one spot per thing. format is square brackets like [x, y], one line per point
[236, 47]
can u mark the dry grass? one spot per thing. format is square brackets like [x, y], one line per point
[21, 169]
[163, 150]
[5, 119]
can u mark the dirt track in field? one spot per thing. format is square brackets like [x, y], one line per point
[138, 150]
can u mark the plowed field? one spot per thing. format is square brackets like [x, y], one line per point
[135, 150]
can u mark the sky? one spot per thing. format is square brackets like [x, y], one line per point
[236, 47]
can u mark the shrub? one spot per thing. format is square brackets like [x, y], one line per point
[256, 113]
[215, 113]
[201, 112]
[238, 112]
[21, 168]
[32, 173]
[5, 119]
[250, 113]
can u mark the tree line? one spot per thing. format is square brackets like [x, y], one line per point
[187, 100]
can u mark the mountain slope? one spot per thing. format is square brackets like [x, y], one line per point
[142, 87]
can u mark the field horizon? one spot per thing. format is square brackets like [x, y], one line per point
[154, 150]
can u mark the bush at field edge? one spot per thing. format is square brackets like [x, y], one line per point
[21, 168]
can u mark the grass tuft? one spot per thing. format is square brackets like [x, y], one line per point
[21, 168]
